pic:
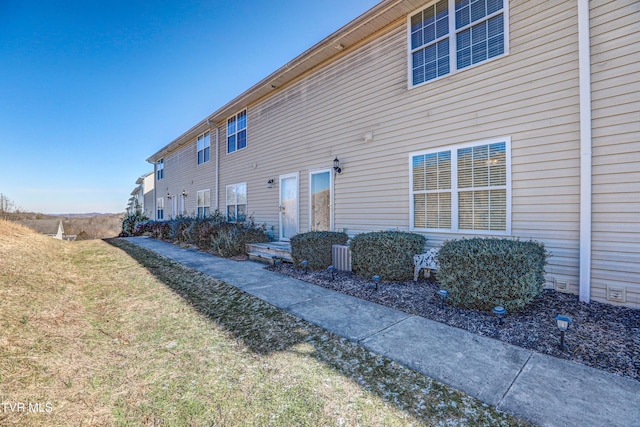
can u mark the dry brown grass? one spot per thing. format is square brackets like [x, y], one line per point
[116, 335]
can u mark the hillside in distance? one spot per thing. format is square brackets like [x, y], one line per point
[84, 226]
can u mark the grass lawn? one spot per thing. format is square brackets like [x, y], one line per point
[107, 333]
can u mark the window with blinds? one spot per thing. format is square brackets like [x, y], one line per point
[237, 132]
[204, 203]
[237, 202]
[464, 188]
[454, 34]
[204, 148]
[160, 208]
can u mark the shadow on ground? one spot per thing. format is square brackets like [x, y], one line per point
[266, 329]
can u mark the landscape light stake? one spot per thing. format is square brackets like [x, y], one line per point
[443, 296]
[500, 312]
[331, 269]
[305, 265]
[563, 325]
[376, 280]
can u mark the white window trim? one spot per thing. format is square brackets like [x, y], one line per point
[199, 192]
[160, 169]
[198, 150]
[453, 57]
[246, 129]
[226, 205]
[315, 172]
[455, 191]
[160, 207]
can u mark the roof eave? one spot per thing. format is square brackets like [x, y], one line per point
[375, 19]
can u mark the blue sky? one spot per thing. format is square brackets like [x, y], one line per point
[90, 89]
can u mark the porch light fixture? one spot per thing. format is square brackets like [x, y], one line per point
[443, 296]
[184, 193]
[499, 311]
[376, 280]
[336, 166]
[270, 183]
[169, 196]
[331, 269]
[563, 324]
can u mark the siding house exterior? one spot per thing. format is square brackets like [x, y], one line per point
[142, 196]
[48, 227]
[450, 118]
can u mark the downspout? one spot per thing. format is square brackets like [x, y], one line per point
[217, 186]
[584, 61]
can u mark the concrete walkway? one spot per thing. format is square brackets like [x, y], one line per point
[539, 388]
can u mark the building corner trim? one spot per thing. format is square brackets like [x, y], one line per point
[584, 54]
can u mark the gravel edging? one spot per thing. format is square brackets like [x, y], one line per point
[602, 336]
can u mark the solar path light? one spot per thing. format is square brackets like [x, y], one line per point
[331, 269]
[443, 296]
[563, 324]
[499, 311]
[376, 280]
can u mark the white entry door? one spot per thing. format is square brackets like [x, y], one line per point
[288, 206]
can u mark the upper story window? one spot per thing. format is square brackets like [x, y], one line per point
[204, 203]
[160, 169]
[450, 35]
[463, 189]
[237, 132]
[204, 148]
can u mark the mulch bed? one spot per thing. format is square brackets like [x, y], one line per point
[602, 336]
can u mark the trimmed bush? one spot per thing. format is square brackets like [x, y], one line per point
[483, 273]
[315, 247]
[389, 254]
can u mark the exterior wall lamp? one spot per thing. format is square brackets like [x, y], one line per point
[169, 196]
[336, 165]
[270, 183]
[184, 193]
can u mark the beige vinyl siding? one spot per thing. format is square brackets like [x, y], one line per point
[615, 66]
[149, 198]
[182, 172]
[530, 95]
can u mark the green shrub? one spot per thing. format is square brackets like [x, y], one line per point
[161, 230]
[315, 247]
[129, 223]
[483, 273]
[180, 228]
[204, 230]
[232, 238]
[389, 254]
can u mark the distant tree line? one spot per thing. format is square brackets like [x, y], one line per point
[8, 209]
[96, 226]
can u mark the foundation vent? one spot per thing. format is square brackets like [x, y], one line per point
[616, 293]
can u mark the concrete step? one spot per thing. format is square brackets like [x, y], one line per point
[267, 252]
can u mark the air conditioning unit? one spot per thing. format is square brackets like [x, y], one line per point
[341, 257]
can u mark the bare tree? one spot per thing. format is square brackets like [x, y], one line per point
[7, 207]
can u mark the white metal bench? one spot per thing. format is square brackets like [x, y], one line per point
[427, 260]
